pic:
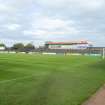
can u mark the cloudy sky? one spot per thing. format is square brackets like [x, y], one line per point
[38, 21]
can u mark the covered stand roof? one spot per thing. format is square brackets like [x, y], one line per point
[67, 43]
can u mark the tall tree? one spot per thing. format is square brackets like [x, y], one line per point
[2, 45]
[29, 47]
[18, 47]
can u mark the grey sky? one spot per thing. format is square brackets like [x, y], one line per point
[56, 20]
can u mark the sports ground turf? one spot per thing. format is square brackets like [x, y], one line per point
[49, 80]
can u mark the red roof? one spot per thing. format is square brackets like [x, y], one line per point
[67, 43]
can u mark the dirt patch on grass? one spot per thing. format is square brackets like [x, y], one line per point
[98, 98]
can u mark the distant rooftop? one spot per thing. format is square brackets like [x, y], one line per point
[67, 43]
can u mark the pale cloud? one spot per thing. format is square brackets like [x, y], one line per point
[12, 27]
[51, 23]
[82, 4]
[48, 23]
[46, 26]
[5, 8]
[88, 5]
[45, 33]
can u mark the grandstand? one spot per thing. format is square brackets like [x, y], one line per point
[68, 45]
[73, 47]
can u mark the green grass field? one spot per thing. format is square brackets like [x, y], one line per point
[49, 80]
